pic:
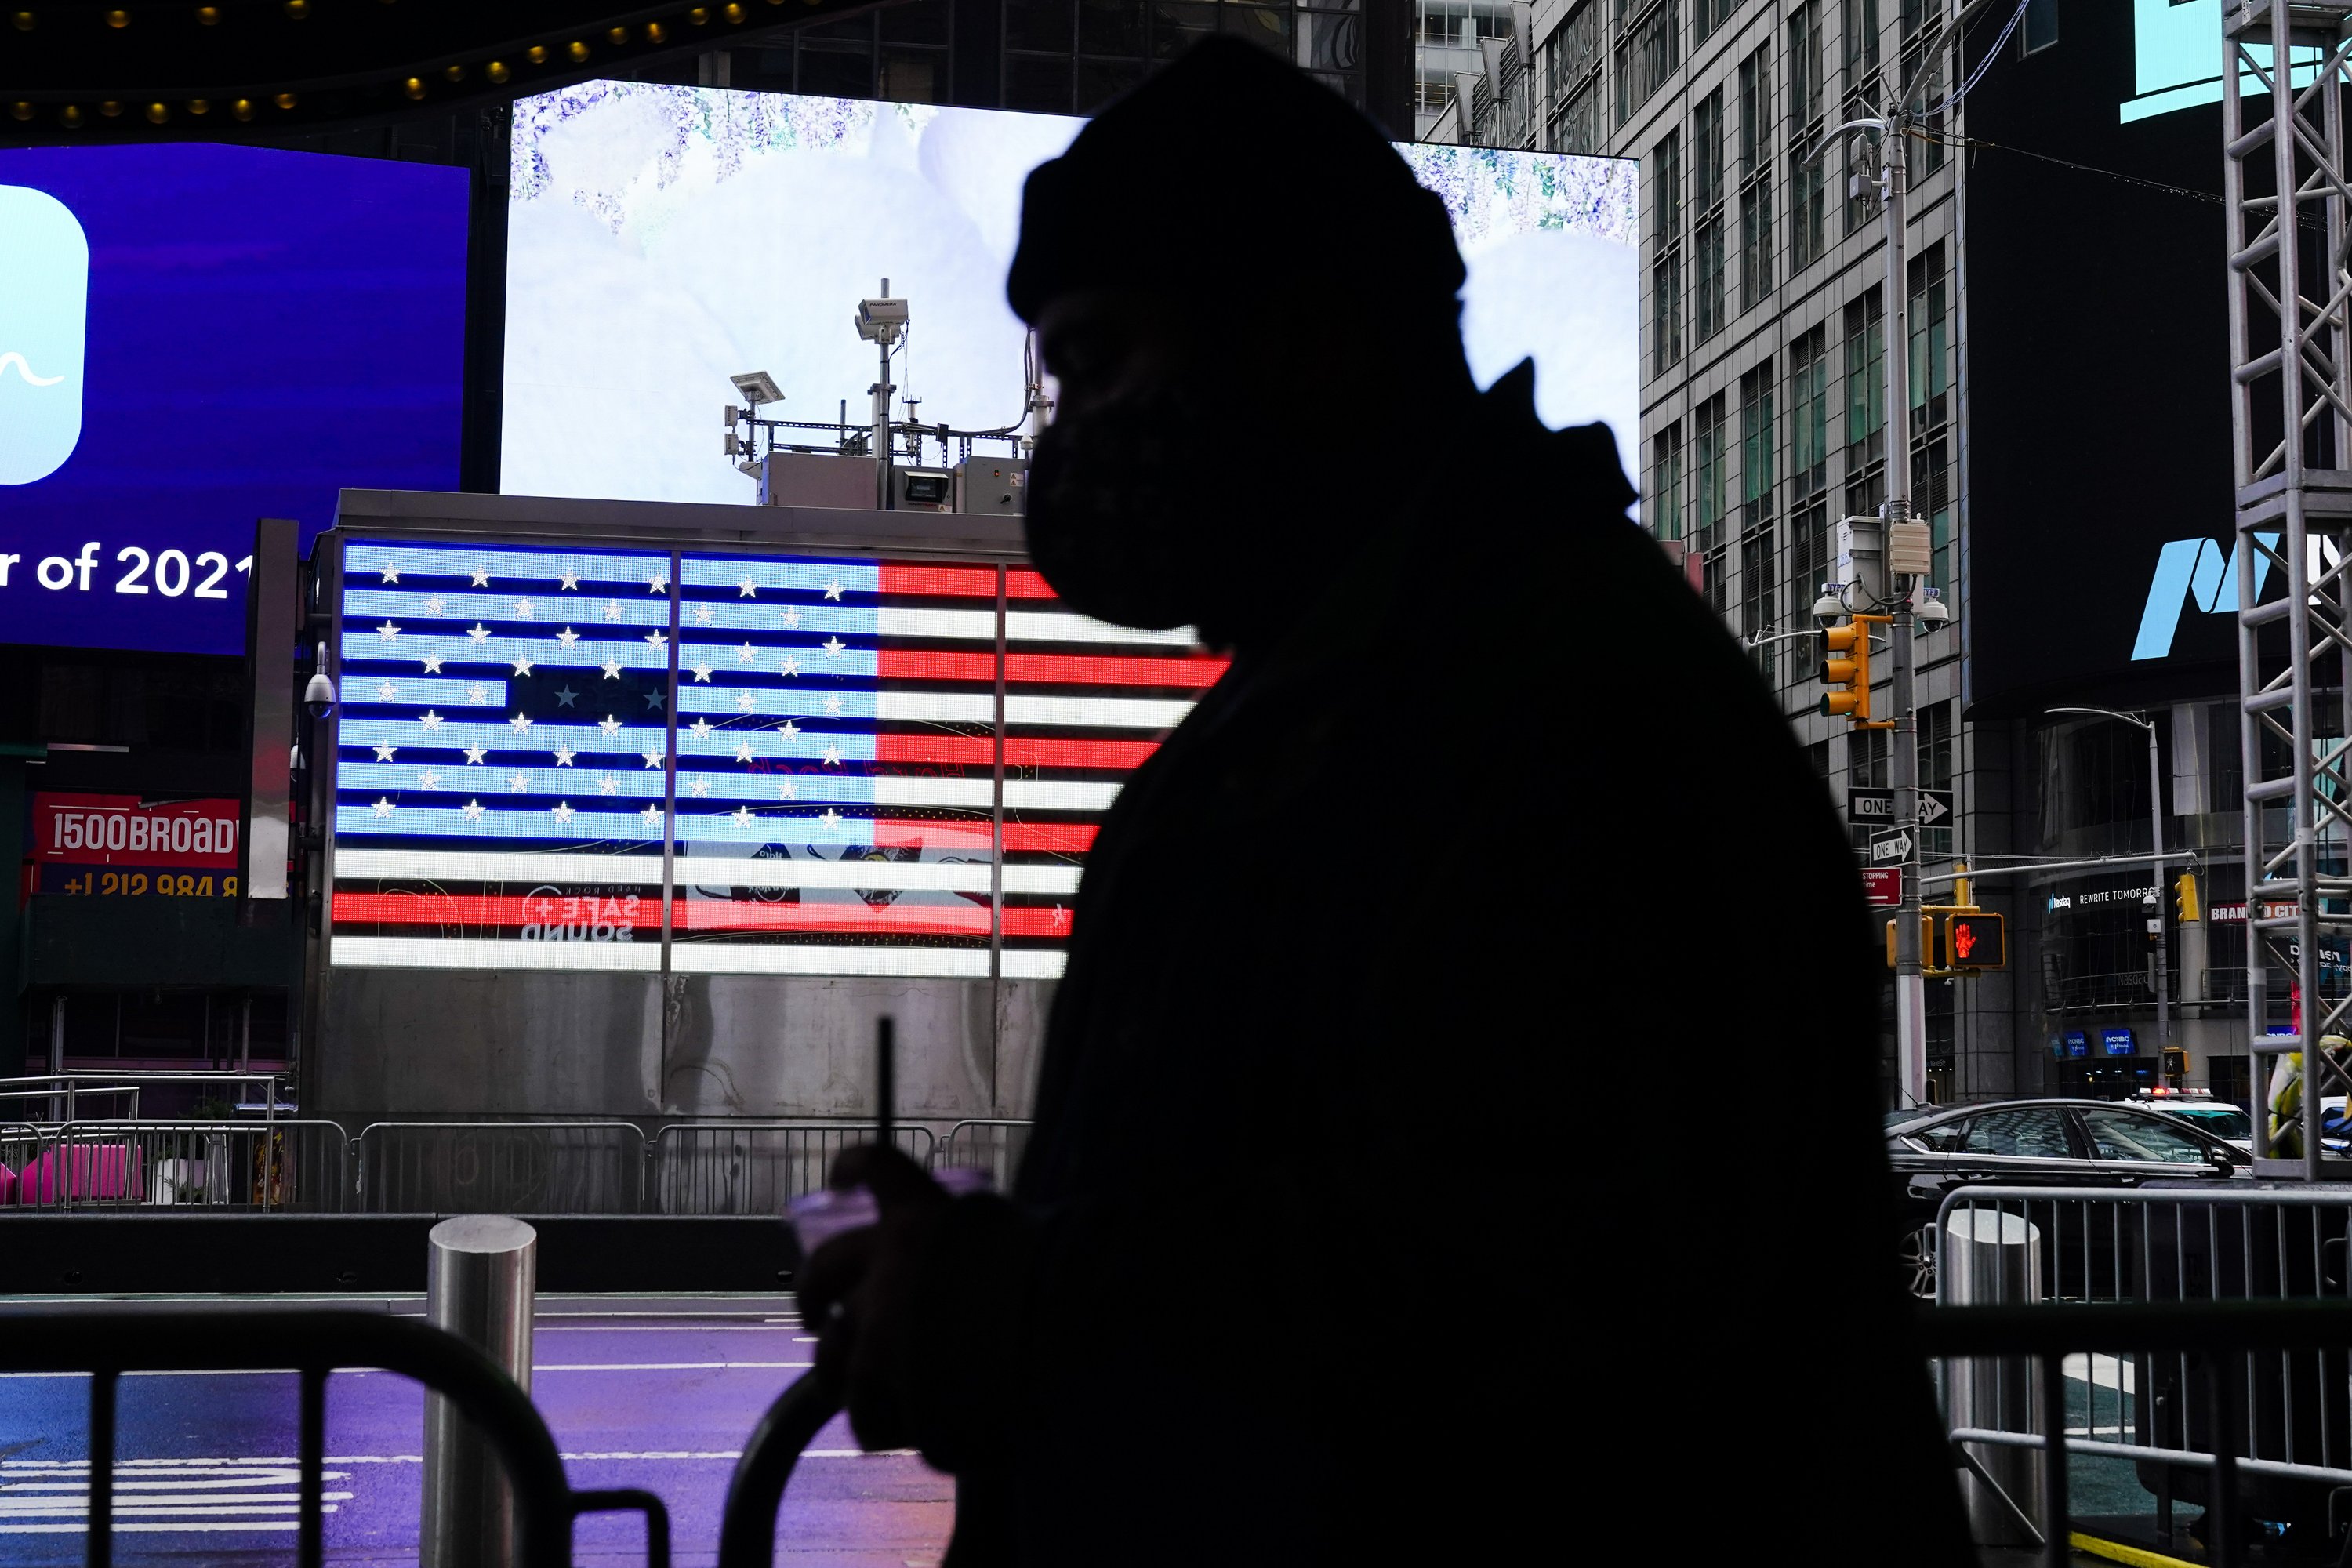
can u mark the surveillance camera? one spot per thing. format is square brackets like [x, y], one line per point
[318, 696]
[1829, 607]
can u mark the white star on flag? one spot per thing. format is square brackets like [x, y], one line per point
[525, 610]
[787, 790]
[566, 697]
[610, 725]
[523, 664]
[562, 811]
[742, 814]
[743, 752]
[567, 637]
[788, 728]
[701, 728]
[563, 756]
[832, 647]
[653, 759]
[746, 654]
[386, 692]
[657, 640]
[658, 583]
[1061, 916]
[433, 605]
[833, 590]
[429, 719]
[608, 784]
[481, 576]
[701, 786]
[655, 699]
[383, 807]
[474, 754]
[745, 702]
[701, 615]
[387, 631]
[522, 723]
[569, 580]
[793, 616]
[384, 754]
[791, 665]
[391, 572]
[832, 705]
[473, 811]
[477, 693]
[831, 755]
[831, 820]
[651, 815]
[433, 662]
[612, 669]
[516, 783]
[428, 779]
[478, 632]
[702, 671]
[612, 611]
[751, 590]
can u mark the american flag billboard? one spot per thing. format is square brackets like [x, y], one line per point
[725, 763]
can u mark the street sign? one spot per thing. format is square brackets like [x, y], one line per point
[1891, 844]
[1877, 806]
[1883, 885]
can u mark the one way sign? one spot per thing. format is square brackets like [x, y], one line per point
[1877, 806]
[1892, 846]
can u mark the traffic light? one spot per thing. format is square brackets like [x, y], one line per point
[1973, 940]
[1845, 670]
[1927, 941]
[2175, 1062]
[2185, 907]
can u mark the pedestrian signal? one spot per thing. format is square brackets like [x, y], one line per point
[1845, 670]
[1975, 941]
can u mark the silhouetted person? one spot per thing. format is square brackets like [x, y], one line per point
[1392, 1194]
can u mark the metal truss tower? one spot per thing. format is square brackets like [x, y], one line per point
[2286, 199]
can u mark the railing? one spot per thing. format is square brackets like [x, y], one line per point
[500, 1167]
[65, 1088]
[755, 1167]
[273, 1165]
[993, 1146]
[312, 1344]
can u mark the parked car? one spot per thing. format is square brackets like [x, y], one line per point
[2088, 1144]
[2226, 1122]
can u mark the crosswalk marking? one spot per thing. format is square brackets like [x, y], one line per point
[41, 1496]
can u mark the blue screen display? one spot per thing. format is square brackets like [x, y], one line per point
[193, 337]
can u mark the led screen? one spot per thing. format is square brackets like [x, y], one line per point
[193, 337]
[851, 779]
[664, 239]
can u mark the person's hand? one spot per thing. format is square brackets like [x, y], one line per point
[857, 1295]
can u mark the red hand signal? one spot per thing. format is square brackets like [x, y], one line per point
[1964, 938]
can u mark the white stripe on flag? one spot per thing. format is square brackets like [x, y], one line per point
[1059, 794]
[770, 958]
[896, 621]
[1046, 625]
[1034, 963]
[475, 952]
[1097, 712]
[735, 871]
[499, 865]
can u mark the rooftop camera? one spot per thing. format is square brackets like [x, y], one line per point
[1829, 608]
[318, 696]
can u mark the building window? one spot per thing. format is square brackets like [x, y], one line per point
[1931, 403]
[2040, 29]
[1649, 50]
[1666, 252]
[1809, 172]
[1922, 21]
[1859, 57]
[1707, 446]
[1707, 241]
[1759, 580]
[1809, 470]
[1666, 482]
[1865, 403]
[1756, 255]
[1706, 16]
[1938, 747]
[1573, 62]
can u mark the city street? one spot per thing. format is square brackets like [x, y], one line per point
[655, 1392]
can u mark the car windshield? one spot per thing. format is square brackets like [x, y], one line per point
[2221, 1121]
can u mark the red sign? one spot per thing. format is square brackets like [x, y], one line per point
[1883, 885]
[124, 830]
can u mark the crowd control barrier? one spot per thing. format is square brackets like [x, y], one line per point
[500, 1167]
[756, 1167]
[312, 1344]
[296, 1166]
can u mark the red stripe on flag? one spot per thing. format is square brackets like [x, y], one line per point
[1022, 920]
[912, 920]
[1025, 585]
[947, 582]
[918, 663]
[1049, 838]
[1026, 752]
[1097, 669]
[514, 911]
[977, 750]
[900, 835]
[398, 908]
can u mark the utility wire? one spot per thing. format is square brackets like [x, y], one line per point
[1985, 64]
[1977, 142]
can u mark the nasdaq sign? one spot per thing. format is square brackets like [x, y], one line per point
[2203, 570]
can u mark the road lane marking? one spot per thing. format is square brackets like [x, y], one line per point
[538, 1367]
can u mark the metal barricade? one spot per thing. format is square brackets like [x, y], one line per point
[993, 1146]
[2288, 1418]
[500, 1167]
[756, 1167]
[300, 1166]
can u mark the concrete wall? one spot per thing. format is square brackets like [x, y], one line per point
[432, 1043]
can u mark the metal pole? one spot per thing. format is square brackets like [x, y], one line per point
[2155, 869]
[56, 1052]
[481, 1274]
[1910, 988]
